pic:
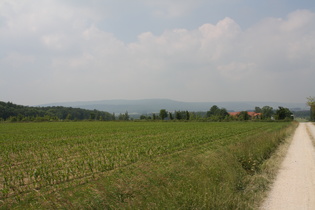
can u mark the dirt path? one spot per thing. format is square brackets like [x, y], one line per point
[294, 187]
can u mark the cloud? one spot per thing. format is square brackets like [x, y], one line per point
[173, 9]
[61, 54]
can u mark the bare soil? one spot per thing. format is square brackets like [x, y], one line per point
[294, 187]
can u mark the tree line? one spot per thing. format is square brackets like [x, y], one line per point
[19, 113]
[221, 114]
[13, 113]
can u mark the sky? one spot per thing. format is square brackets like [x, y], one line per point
[192, 50]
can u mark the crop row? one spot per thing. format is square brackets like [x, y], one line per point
[37, 155]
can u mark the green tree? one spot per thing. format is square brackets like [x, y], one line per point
[68, 117]
[13, 119]
[223, 113]
[243, 115]
[192, 116]
[171, 116]
[20, 117]
[92, 116]
[283, 113]
[187, 115]
[163, 114]
[311, 103]
[267, 112]
[178, 115]
[214, 110]
[143, 117]
[124, 116]
[127, 116]
[217, 114]
[258, 109]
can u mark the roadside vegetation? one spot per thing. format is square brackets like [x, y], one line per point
[311, 103]
[137, 165]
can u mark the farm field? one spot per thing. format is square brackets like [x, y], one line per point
[117, 165]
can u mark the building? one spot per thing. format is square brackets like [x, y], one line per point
[253, 115]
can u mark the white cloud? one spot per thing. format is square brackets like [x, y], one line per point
[172, 9]
[300, 20]
[17, 60]
[70, 57]
[238, 71]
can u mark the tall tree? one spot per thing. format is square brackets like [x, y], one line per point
[267, 112]
[127, 116]
[311, 103]
[163, 114]
[217, 114]
[258, 109]
[214, 110]
[187, 115]
[171, 116]
[223, 113]
[178, 115]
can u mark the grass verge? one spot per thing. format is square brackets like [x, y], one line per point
[261, 182]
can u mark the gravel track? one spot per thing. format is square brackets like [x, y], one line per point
[294, 187]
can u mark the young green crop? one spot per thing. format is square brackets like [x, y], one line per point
[45, 155]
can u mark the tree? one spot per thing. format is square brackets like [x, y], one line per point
[26, 113]
[68, 117]
[171, 116]
[143, 117]
[223, 113]
[243, 115]
[192, 116]
[163, 114]
[187, 115]
[92, 116]
[217, 114]
[214, 110]
[258, 109]
[283, 113]
[311, 103]
[178, 115]
[124, 116]
[267, 112]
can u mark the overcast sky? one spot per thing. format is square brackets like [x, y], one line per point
[186, 50]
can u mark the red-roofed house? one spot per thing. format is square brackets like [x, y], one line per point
[253, 115]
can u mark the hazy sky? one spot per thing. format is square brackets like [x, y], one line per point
[187, 50]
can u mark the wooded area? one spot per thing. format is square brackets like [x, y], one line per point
[11, 112]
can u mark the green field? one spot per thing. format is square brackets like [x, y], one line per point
[145, 165]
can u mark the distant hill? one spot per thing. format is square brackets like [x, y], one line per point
[147, 106]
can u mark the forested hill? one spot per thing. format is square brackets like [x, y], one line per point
[14, 112]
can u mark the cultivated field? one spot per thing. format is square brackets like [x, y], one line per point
[142, 165]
